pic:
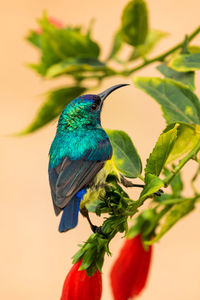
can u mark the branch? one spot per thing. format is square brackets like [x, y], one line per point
[162, 56]
[182, 162]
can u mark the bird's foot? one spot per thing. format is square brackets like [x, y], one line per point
[159, 192]
[95, 229]
[98, 229]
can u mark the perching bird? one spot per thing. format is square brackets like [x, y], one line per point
[78, 153]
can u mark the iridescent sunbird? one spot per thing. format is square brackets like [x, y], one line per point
[78, 155]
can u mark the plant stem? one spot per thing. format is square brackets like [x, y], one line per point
[163, 212]
[162, 56]
[141, 177]
[193, 180]
[182, 162]
[147, 62]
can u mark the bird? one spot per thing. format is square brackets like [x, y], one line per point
[78, 155]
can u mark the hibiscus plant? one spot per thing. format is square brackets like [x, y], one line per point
[71, 52]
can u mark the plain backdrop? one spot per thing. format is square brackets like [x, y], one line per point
[34, 257]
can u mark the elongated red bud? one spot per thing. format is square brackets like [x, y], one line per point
[130, 271]
[79, 286]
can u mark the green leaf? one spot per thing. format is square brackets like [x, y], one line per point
[152, 185]
[116, 45]
[58, 44]
[177, 185]
[187, 138]
[161, 152]
[168, 199]
[56, 102]
[34, 38]
[186, 78]
[88, 258]
[134, 22]
[114, 224]
[175, 214]
[125, 155]
[194, 49]
[153, 37]
[186, 62]
[178, 102]
[134, 230]
[78, 65]
[39, 68]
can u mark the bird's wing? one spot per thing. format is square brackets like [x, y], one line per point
[70, 176]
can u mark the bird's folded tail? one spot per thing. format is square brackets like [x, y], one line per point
[69, 217]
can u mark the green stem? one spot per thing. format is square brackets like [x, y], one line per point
[147, 62]
[182, 162]
[194, 179]
[162, 56]
[163, 212]
[141, 177]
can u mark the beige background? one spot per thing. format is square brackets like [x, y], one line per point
[34, 257]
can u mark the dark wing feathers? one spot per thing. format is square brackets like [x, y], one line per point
[74, 178]
[53, 176]
[70, 176]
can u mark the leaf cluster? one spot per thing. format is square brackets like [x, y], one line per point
[92, 253]
[72, 52]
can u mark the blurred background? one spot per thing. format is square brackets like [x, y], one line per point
[35, 258]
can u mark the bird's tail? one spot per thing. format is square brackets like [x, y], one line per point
[69, 217]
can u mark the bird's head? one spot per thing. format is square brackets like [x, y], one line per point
[84, 111]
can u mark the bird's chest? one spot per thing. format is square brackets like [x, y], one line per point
[96, 188]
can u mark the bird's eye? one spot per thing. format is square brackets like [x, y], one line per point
[94, 106]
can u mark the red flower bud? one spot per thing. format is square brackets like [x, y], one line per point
[130, 270]
[56, 23]
[79, 286]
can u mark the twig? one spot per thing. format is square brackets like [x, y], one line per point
[182, 162]
[162, 56]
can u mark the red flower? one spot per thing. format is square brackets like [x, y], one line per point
[56, 23]
[130, 270]
[79, 286]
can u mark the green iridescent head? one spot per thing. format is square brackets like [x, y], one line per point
[84, 111]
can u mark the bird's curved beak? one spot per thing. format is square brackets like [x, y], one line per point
[107, 92]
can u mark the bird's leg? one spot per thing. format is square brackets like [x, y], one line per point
[85, 214]
[128, 183]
